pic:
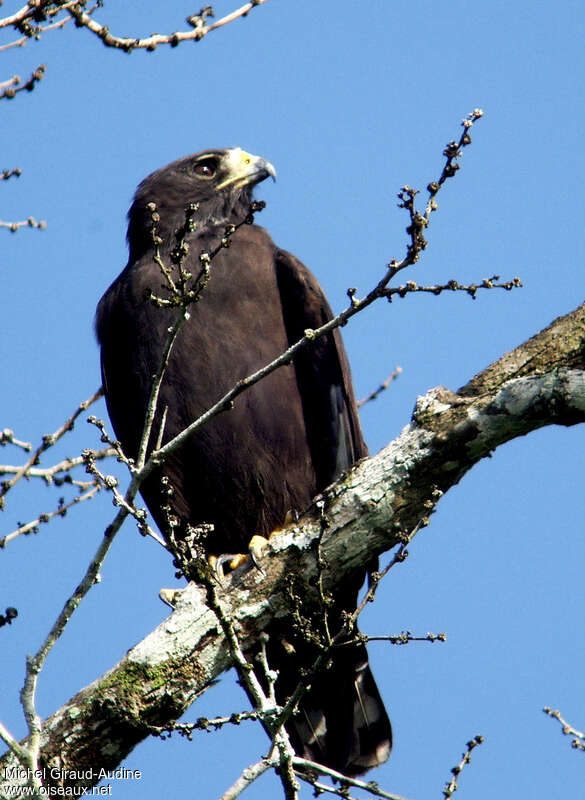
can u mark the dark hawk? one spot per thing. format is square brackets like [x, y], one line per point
[284, 441]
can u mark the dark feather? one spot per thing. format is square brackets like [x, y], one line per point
[285, 440]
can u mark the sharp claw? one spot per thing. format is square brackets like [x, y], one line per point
[220, 561]
[254, 559]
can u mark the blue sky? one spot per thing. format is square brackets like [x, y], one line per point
[349, 102]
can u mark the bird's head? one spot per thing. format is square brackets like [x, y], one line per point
[219, 181]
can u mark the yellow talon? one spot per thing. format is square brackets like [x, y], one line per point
[256, 548]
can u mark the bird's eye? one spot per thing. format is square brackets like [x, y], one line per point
[206, 169]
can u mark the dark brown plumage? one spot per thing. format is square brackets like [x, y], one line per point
[285, 440]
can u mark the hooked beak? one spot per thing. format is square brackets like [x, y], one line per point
[244, 169]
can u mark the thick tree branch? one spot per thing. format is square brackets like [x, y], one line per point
[369, 511]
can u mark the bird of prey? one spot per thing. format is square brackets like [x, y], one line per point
[285, 439]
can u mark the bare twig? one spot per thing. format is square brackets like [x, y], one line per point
[31, 31]
[186, 729]
[27, 12]
[305, 767]
[23, 41]
[150, 43]
[248, 776]
[7, 437]
[10, 173]
[453, 286]
[452, 786]
[110, 482]
[381, 388]
[13, 744]
[31, 222]
[10, 88]
[60, 511]
[578, 742]
[38, 11]
[405, 637]
[57, 474]
[49, 440]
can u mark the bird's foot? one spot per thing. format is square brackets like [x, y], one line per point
[233, 561]
[256, 548]
[229, 562]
